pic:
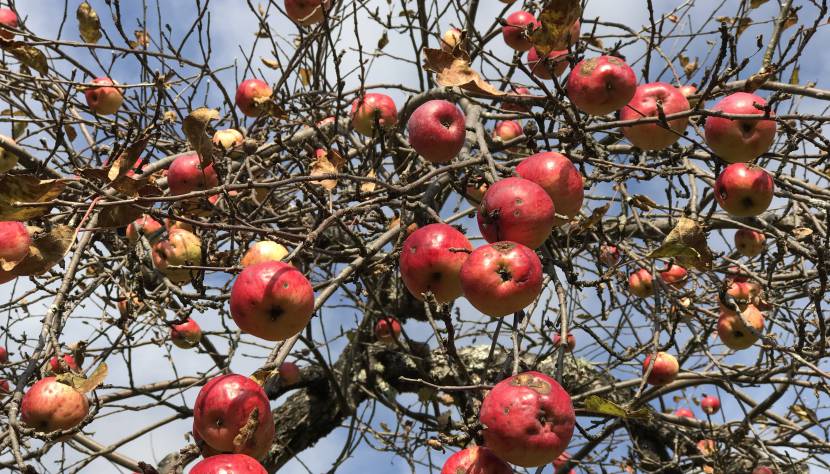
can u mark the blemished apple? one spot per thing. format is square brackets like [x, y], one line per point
[664, 371]
[558, 176]
[102, 98]
[431, 260]
[251, 97]
[675, 276]
[518, 210]
[514, 32]
[450, 40]
[710, 404]
[373, 108]
[528, 419]
[186, 335]
[601, 85]
[146, 226]
[507, 130]
[224, 405]
[204, 449]
[186, 175]
[554, 64]
[742, 289]
[4, 355]
[228, 464]
[8, 160]
[52, 406]
[749, 243]
[14, 244]
[739, 140]
[7, 18]
[180, 248]
[516, 106]
[307, 12]
[557, 339]
[69, 364]
[501, 278]
[272, 300]
[744, 190]
[640, 283]
[475, 460]
[387, 330]
[563, 459]
[228, 139]
[609, 255]
[264, 251]
[289, 374]
[436, 131]
[740, 331]
[654, 136]
[684, 412]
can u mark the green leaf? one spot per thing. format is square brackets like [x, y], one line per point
[599, 405]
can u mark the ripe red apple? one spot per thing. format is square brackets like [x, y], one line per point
[187, 175]
[518, 210]
[436, 131]
[562, 459]
[307, 12]
[180, 248]
[8, 160]
[749, 243]
[372, 108]
[228, 139]
[739, 140]
[387, 330]
[289, 374]
[554, 63]
[507, 130]
[431, 260]
[664, 371]
[528, 419]
[251, 96]
[516, 28]
[744, 190]
[7, 18]
[501, 278]
[14, 244]
[475, 460]
[144, 225]
[4, 355]
[764, 470]
[102, 98]
[740, 331]
[675, 276]
[601, 85]
[684, 413]
[228, 464]
[263, 251]
[186, 335]
[710, 404]
[688, 91]
[653, 136]
[558, 176]
[68, 364]
[450, 40]
[557, 339]
[516, 106]
[609, 255]
[272, 300]
[640, 283]
[4, 386]
[51, 406]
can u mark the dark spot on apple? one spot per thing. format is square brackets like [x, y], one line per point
[446, 123]
[435, 276]
[747, 202]
[504, 273]
[517, 213]
[746, 128]
[285, 284]
[739, 334]
[506, 410]
[722, 192]
[275, 313]
[219, 422]
[532, 430]
[519, 201]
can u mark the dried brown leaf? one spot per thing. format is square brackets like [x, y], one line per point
[556, 19]
[46, 250]
[271, 63]
[127, 159]
[455, 71]
[644, 203]
[85, 384]
[368, 186]
[327, 162]
[756, 3]
[29, 56]
[194, 127]
[687, 244]
[16, 188]
[89, 25]
[594, 219]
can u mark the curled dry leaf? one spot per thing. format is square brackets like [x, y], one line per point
[194, 127]
[368, 186]
[127, 159]
[29, 56]
[756, 3]
[687, 244]
[142, 40]
[262, 375]
[271, 63]
[596, 404]
[15, 188]
[89, 25]
[644, 203]
[455, 71]
[556, 18]
[327, 162]
[46, 250]
[84, 384]
[801, 233]
[595, 218]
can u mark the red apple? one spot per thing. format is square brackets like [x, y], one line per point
[204, 449]
[675, 276]
[228, 139]
[749, 243]
[182, 248]
[710, 404]
[507, 130]
[387, 330]
[68, 364]
[8, 160]
[664, 371]
[272, 300]
[706, 446]
[373, 108]
[7, 18]
[558, 176]
[289, 374]
[609, 255]
[518, 24]
[187, 175]
[252, 96]
[501, 278]
[684, 413]
[186, 335]
[557, 339]
[688, 91]
[431, 260]
[744, 190]
[601, 85]
[450, 40]
[307, 12]
[228, 464]
[739, 140]
[516, 106]
[102, 98]
[518, 210]
[51, 406]
[14, 244]
[554, 63]
[740, 331]
[146, 226]
[263, 251]
[436, 131]
[640, 283]
[561, 461]
[653, 136]
[528, 419]
[475, 460]
[4, 355]
[4, 386]
[764, 470]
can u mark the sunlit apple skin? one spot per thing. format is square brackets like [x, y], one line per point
[101, 99]
[51, 406]
[387, 330]
[739, 140]
[58, 368]
[8, 18]
[515, 106]
[8, 160]
[436, 131]
[222, 408]
[228, 139]
[675, 276]
[186, 335]
[528, 418]
[144, 225]
[4, 355]
[609, 255]
[710, 404]
[664, 371]
[734, 331]
[652, 136]
[601, 85]
[558, 176]
[228, 464]
[749, 243]
[514, 31]
[264, 251]
[507, 130]
[684, 413]
[14, 244]
[186, 175]
[475, 460]
[450, 40]
[744, 190]
[688, 91]
[272, 300]
[640, 283]
[556, 63]
[562, 459]
[428, 263]
[250, 95]
[501, 278]
[289, 374]
[180, 248]
[306, 12]
[204, 449]
[557, 339]
[370, 108]
[518, 210]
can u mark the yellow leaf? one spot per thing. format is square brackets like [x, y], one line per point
[673, 18]
[368, 186]
[305, 76]
[89, 25]
[46, 250]
[794, 75]
[599, 405]
[271, 63]
[194, 128]
[262, 375]
[686, 243]
[84, 384]
[16, 188]
[29, 56]
[556, 18]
